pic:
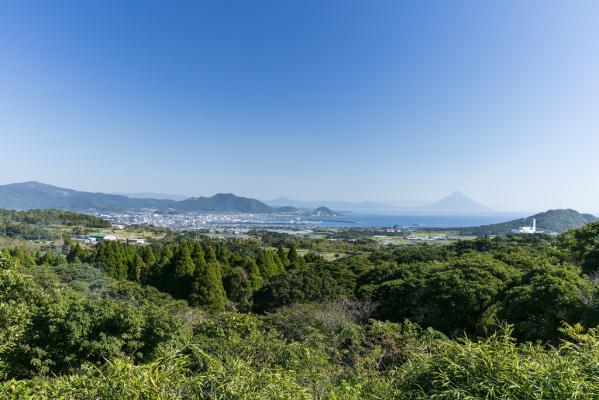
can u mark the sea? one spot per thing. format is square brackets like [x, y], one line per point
[357, 220]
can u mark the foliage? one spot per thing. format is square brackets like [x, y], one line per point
[195, 318]
[44, 224]
[51, 329]
[315, 283]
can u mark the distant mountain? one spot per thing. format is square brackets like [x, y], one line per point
[333, 204]
[554, 221]
[152, 195]
[223, 202]
[455, 203]
[35, 195]
[324, 212]
[32, 195]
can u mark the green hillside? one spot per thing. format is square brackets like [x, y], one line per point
[35, 195]
[555, 221]
[223, 202]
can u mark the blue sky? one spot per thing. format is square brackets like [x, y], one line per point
[353, 100]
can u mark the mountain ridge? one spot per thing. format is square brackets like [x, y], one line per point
[550, 221]
[333, 204]
[456, 202]
[36, 195]
[224, 202]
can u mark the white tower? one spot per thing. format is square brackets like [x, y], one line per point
[534, 225]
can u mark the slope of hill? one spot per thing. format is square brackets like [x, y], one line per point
[455, 203]
[35, 195]
[557, 221]
[223, 202]
[32, 195]
[153, 195]
[324, 212]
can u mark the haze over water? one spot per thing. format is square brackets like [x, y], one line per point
[406, 221]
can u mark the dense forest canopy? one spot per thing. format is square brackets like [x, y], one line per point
[187, 316]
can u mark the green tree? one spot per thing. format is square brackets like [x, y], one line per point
[180, 274]
[254, 274]
[544, 299]
[283, 256]
[583, 245]
[76, 254]
[135, 268]
[207, 287]
[267, 264]
[239, 288]
[295, 261]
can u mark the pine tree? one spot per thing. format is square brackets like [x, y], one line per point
[295, 261]
[149, 257]
[283, 256]
[198, 256]
[181, 272]
[149, 263]
[267, 264]
[254, 275]
[76, 254]
[159, 273]
[210, 254]
[207, 287]
[135, 268]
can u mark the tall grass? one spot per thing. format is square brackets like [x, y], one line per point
[493, 368]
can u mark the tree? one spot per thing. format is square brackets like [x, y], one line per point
[457, 297]
[239, 288]
[254, 274]
[180, 274]
[295, 261]
[149, 262]
[135, 268]
[207, 287]
[315, 283]
[283, 256]
[583, 244]
[198, 256]
[267, 264]
[544, 299]
[76, 254]
[6, 261]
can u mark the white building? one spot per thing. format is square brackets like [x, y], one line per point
[136, 240]
[528, 229]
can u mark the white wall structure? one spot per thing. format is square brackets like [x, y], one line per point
[529, 229]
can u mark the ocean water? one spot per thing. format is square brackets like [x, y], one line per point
[406, 221]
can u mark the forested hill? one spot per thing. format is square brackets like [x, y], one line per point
[51, 217]
[550, 221]
[35, 195]
[223, 202]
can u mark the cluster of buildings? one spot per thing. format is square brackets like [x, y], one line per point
[94, 238]
[210, 222]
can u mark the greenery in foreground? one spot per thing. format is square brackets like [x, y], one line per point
[186, 318]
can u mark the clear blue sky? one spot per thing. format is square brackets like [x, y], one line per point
[377, 100]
